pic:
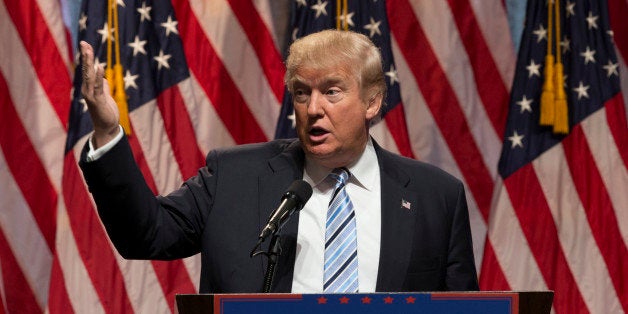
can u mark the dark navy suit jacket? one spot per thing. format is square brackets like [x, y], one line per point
[220, 212]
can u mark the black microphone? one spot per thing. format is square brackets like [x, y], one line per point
[296, 196]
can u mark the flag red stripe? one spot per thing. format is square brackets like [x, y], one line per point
[599, 209]
[616, 117]
[396, 123]
[538, 226]
[209, 71]
[172, 275]
[101, 264]
[180, 132]
[49, 66]
[617, 11]
[262, 41]
[19, 295]
[58, 298]
[492, 277]
[492, 91]
[442, 103]
[25, 166]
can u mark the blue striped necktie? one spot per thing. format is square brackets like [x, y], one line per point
[341, 249]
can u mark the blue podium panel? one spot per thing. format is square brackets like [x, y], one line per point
[485, 303]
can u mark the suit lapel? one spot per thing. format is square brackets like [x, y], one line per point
[398, 222]
[285, 168]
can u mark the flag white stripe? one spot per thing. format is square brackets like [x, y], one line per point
[510, 245]
[611, 167]
[239, 58]
[493, 21]
[142, 286]
[193, 266]
[23, 235]
[83, 296]
[43, 127]
[478, 229]
[438, 22]
[576, 237]
[209, 130]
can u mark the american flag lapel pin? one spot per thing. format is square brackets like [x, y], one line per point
[405, 204]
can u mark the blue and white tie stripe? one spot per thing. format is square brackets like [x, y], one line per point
[341, 249]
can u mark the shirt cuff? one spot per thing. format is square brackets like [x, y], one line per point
[94, 154]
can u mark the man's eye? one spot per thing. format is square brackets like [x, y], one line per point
[334, 95]
[300, 96]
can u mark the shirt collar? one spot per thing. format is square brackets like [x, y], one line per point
[363, 171]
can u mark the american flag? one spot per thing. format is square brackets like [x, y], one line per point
[455, 64]
[156, 80]
[560, 220]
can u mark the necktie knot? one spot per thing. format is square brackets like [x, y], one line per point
[340, 175]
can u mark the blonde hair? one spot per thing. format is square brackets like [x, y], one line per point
[331, 49]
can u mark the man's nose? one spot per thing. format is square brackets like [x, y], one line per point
[315, 106]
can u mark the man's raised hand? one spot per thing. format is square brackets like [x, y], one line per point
[95, 90]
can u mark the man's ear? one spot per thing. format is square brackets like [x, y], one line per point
[373, 105]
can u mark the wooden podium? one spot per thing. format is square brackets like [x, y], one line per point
[486, 302]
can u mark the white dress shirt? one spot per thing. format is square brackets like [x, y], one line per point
[364, 190]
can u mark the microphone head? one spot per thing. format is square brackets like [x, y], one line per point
[302, 190]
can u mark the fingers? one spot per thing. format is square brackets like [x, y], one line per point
[98, 80]
[87, 61]
[92, 73]
[87, 68]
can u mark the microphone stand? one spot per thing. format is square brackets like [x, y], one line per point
[274, 250]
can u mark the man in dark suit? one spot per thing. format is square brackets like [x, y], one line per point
[404, 224]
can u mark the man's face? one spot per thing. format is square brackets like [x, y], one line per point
[331, 117]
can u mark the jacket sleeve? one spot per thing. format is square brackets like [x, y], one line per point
[461, 274]
[140, 224]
